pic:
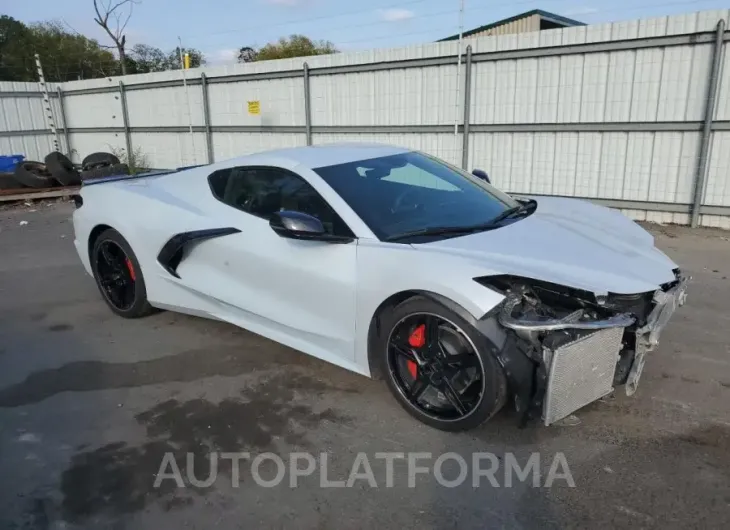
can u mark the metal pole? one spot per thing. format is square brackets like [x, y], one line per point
[46, 102]
[467, 110]
[66, 132]
[458, 68]
[307, 106]
[206, 118]
[702, 166]
[190, 108]
[125, 123]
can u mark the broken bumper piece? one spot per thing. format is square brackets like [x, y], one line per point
[579, 355]
[647, 337]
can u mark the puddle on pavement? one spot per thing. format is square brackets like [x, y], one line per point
[119, 478]
[190, 365]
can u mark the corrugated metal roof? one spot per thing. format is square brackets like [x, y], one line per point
[552, 17]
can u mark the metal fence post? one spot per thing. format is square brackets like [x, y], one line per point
[702, 165]
[467, 110]
[307, 106]
[206, 117]
[125, 121]
[66, 132]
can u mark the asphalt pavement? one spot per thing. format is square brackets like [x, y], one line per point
[92, 406]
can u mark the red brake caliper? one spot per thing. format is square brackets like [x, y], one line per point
[130, 268]
[417, 339]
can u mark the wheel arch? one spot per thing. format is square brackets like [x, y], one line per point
[394, 300]
[94, 235]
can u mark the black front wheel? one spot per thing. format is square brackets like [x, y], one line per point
[439, 367]
[119, 276]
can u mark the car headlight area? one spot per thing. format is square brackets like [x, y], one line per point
[568, 347]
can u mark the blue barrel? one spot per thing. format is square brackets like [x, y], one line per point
[8, 163]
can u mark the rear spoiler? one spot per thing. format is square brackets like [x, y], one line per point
[154, 173]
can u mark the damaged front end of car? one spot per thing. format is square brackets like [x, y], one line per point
[568, 347]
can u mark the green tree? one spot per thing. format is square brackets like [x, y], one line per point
[173, 58]
[66, 56]
[16, 59]
[147, 59]
[294, 46]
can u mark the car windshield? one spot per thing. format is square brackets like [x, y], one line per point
[410, 192]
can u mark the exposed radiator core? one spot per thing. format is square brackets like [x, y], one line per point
[581, 372]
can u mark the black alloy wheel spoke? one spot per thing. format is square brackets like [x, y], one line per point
[115, 297]
[432, 336]
[453, 397]
[403, 351]
[419, 386]
[462, 361]
[107, 256]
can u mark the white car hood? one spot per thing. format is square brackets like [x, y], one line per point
[569, 242]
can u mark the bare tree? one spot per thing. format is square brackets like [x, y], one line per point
[113, 16]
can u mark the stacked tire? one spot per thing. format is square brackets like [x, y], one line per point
[58, 170]
[8, 182]
[99, 165]
[55, 170]
[34, 175]
[62, 169]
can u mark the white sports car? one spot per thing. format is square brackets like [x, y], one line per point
[390, 262]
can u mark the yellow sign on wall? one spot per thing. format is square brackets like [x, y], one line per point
[254, 107]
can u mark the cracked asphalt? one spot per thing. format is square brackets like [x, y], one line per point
[90, 404]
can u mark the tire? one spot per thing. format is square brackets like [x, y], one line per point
[491, 387]
[8, 182]
[62, 169]
[34, 175]
[100, 159]
[129, 270]
[105, 171]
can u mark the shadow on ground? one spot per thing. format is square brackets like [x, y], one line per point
[118, 478]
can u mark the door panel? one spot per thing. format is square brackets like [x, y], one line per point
[303, 290]
[300, 293]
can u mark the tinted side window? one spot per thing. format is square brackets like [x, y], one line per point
[264, 191]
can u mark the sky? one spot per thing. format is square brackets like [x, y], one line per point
[220, 27]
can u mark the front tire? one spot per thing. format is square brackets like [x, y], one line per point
[440, 369]
[119, 276]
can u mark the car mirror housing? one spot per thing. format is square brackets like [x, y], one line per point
[480, 173]
[299, 225]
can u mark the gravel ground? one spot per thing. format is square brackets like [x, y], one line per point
[90, 404]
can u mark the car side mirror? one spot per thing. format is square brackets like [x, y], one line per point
[298, 225]
[480, 173]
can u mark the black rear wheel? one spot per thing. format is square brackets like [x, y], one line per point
[439, 367]
[119, 276]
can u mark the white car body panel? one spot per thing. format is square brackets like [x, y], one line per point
[569, 242]
[320, 297]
